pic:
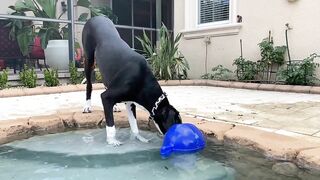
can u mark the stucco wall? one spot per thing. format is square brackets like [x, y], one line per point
[258, 18]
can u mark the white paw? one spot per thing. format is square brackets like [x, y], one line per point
[86, 110]
[113, 142]
[87, 107]
[116, 108]
[141, 138]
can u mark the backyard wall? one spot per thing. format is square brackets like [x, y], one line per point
[258, 18]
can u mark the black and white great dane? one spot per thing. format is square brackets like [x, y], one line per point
[127, 77]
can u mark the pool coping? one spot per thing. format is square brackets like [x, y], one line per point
[303, 153]
[41, 90]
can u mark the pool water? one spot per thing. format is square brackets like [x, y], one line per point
[85, 155]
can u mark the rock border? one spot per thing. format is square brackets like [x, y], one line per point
[41, 90]
[276, 146]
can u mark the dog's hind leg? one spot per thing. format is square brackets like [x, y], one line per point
[131, 109]
[89, 65]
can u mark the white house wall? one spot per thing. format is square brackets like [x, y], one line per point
[259, 16]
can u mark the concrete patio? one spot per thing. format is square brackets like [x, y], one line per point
[284, 113]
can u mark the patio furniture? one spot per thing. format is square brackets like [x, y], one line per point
[9, 50]
[79, 58]
[37, 53]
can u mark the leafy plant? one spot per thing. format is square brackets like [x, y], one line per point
[48, 30]
[270, 54]
[98, 77]
[22, 32]
[3, 79]
[51, 77]
[300, 73]
[165, 59]
[75, 76]
[219, 73]
[28, 77]
[96, 11]
[44, 9]
[246, 69]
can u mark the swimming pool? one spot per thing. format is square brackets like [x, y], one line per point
[84, 155]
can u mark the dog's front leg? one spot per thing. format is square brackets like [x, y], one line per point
[108, 111]
[131, 109]
[87, 106]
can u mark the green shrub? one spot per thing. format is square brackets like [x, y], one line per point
[165, 59]
[3, 79]
[271, 54]
[246, 69]
[300, 73]
[98, 77]
[28, 77]
[51, 77]
[219, 73]
[75, 76]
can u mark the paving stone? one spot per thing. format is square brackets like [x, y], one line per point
[253, 86]
[267, 87]
[173, 83]
[315, 90]
[225, 84]
[273, 145]
[88, 120]
[301, 89]
[67, 119]
[69, 88]
[187, 83]
[81, 87]
[46, 124]
[33, 91]
[13, 92]
[309, 159]
[98, 86]
[238, 85]
[283, 88]
[201, 82]
[215, 129]
[52, 90]
[213, 83]
[163, 83]
[11, 130]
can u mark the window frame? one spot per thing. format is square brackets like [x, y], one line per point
[232, 16]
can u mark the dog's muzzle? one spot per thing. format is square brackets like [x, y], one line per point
[160, 134]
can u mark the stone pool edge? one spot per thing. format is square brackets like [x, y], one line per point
[303, 153]
[41, 90]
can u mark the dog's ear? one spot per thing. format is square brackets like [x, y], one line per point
[173, 116]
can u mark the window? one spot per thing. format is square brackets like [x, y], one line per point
[139, 14]
[214, 11]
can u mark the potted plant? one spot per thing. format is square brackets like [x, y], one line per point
[47, 31]
[165, 59]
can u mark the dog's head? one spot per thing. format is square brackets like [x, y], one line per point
[166, 117]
